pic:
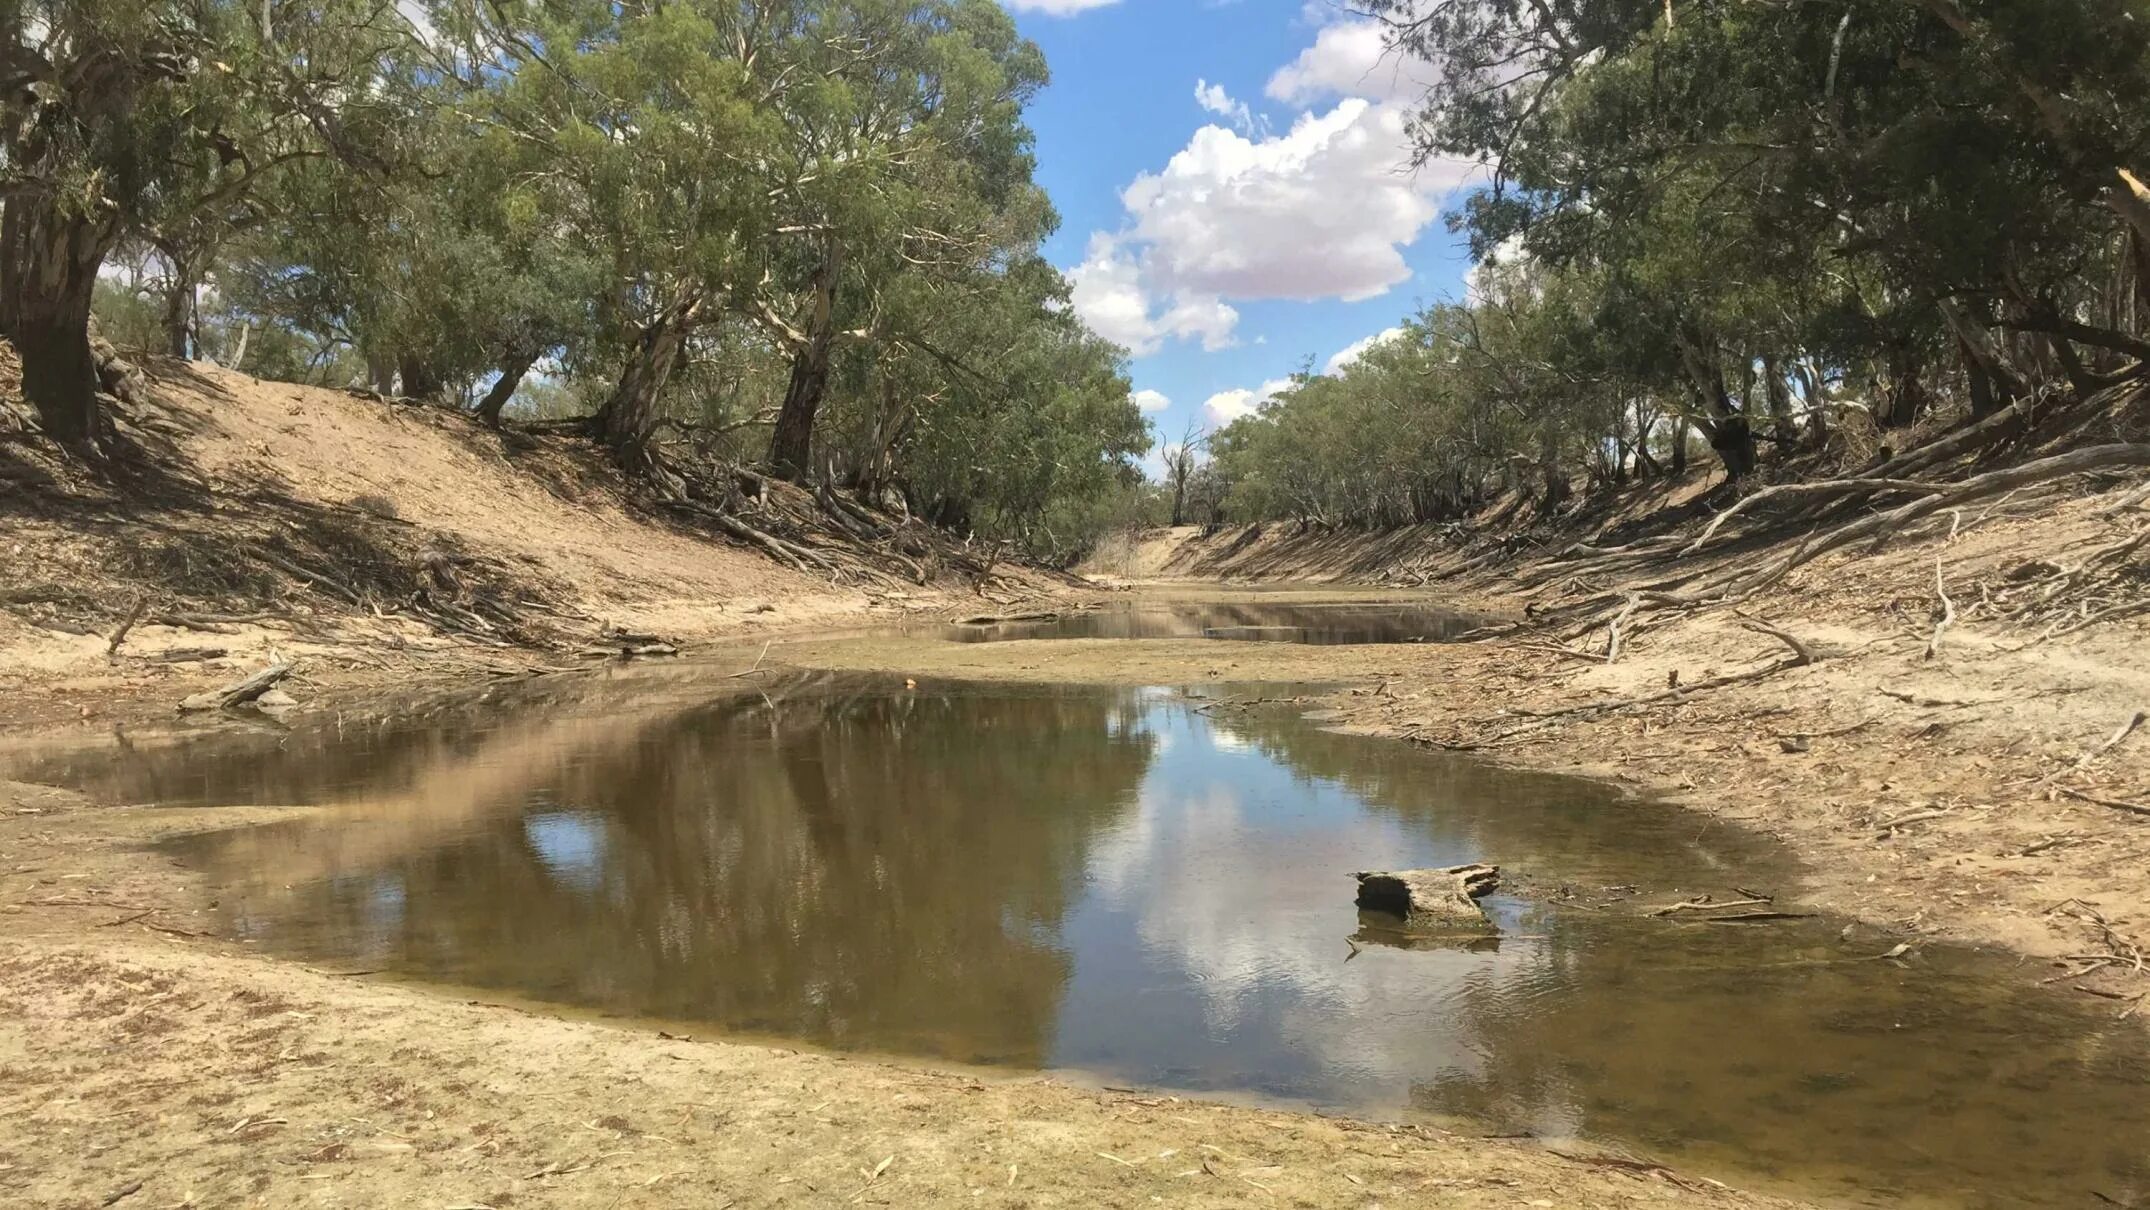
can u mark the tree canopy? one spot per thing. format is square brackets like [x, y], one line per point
[1752, 222]
[804, 232]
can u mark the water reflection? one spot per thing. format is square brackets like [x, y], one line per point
[1239, 621]
[1113, 881]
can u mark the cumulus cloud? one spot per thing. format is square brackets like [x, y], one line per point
[1350, 59]
[1320, 211]
[1224, 407]
[1108, 292]
[1357, 348]
[1151, 401]
[1323, 210]
[1216, 100]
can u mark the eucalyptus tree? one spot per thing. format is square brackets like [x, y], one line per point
[128, 119]
[997, 410]
[639, 128]
[1963, 164]
[900, 156]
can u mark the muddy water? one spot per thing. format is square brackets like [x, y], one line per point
[1127, 884]
[1243, 620]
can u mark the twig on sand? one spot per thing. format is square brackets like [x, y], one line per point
[2115, 803]
[1804, 653]
[2112, 741]
[1948, 613]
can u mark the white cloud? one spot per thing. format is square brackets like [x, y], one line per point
[1506, 257]
[1224, 407]
[1357, 348]
[1320, 211]
[1350, 59]
[1151, 401]
[1108, 293]
[415, 15]
[1216, 100]
[1057, 8]
[1323, 210]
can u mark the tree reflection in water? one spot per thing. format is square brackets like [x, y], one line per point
[1112, 881]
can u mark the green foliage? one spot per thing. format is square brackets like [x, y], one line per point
[707, 213]
[1755, 220]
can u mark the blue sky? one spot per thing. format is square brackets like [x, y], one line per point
[1228, 237]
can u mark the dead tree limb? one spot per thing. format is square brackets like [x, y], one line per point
[120, 635]
[2133, 808]
[239, 692]
[1612, 636]
[1802, 653]
[1882, 526]
[315, 578]
[1948, 613]
[1827, 487]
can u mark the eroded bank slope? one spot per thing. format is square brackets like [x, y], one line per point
[379, 541]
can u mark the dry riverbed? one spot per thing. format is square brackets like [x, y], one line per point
[144, 1059]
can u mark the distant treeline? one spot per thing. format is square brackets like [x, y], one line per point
[1760, 228]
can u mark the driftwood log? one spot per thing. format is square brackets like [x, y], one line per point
[239, 692]
[1431, 899]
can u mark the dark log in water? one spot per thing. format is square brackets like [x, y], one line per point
[1439, 899]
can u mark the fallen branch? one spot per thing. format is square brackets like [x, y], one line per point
[795, 555]
[239, 692]
[1804, 655]
[1829, 487]
[120, 635]
[1612, 637]
[757, 662]
[1880, 527]
[2116, 804]
[1948, 613]
[1699, 905]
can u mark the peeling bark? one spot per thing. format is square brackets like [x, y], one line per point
[791, 446]
[629, 418]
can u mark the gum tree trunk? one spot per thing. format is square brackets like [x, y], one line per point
[48, 274]
[629, 417]
[512, 368]
[1723, 422]
[791, 446]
